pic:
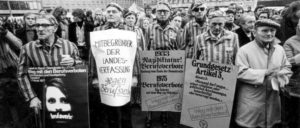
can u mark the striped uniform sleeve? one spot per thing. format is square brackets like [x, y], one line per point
[178, 40]
[142, 43]
[196, 51]
[185, 37]
[23, 79]
[235, 47]
[147, 37]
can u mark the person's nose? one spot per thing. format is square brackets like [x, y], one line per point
[39, 28]
[269, 33]
[218, 26]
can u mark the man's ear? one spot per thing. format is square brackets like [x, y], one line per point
[55, 28]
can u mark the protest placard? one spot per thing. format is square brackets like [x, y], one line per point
[162, 76]
[114, 56]
[208, 94]
[65, 95]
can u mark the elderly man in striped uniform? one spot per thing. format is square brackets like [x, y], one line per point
[217, 44]
[162, 36]
[116, 116]
[43, 52]
[194, 27]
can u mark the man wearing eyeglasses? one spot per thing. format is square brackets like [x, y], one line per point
[162, 36]
[216, 44]
[47, 51]
[194, 27]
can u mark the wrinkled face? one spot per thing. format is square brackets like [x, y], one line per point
[76, 18]
[258, 11]
[113, 14]
[56, 100]
[249, 24]
[148, 11]
[232, 7]
[177, 21]
[296, 16]
[130, 20]
[163, 13]
[63, 16]
[230, 17]
[265, 34]
[45, 29]
[98, 15]
[199, 12]
[217, 25]
[146, 23]
[30, 20]
[238, 14]
[263, 16]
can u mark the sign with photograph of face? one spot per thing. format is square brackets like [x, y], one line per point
[65, 96]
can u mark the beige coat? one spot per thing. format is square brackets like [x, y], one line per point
[254, 89]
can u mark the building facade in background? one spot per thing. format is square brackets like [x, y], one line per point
[19, 7]
[223, 3]
[88, 4]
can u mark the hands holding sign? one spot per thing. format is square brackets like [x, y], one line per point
[36, 104]
[67, 60]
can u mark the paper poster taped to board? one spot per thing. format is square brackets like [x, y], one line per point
[208, 94]
[114, 52]
[162, 76]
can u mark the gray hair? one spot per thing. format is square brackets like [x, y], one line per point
[49, 17]
[244, 17]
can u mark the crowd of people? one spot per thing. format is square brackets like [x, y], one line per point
[264, 44]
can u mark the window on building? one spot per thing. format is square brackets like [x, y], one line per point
[23, 5]
[3, 5]
[33, 5]
[14, 5]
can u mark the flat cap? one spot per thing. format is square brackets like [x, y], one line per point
[267, 22]
[147, 7]
[130, 13]
[196, 4]
[163, 6]
[115, 5]
[217, 13]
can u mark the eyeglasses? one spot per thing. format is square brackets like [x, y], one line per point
[239, 12]
[162, 11]
[197, 9]
[112, 11]
[42, 25]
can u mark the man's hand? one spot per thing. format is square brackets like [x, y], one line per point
[36, 104]
[95, 83]
[66, 60]
[134, 81]
[297, 59]
[271, 72]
